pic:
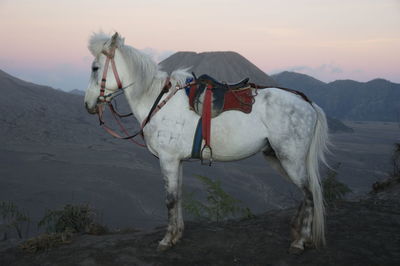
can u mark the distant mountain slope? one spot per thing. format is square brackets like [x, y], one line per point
[376, 100]
[225, 66]
[34, 113]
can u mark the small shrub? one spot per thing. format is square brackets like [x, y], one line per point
[75, 218]
[332, 188]
[395, 160]
[394, 174]
[12, 218]
[219, 204]
[62, 225]
[47, 241]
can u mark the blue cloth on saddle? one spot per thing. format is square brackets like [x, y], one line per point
[198, 138]
[187, 88]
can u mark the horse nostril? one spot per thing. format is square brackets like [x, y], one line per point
[87, 106]
[91, 110]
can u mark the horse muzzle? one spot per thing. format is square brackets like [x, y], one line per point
[93, 110]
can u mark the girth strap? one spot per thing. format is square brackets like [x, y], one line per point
[206, 122]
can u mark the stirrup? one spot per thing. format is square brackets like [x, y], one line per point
[201, 155]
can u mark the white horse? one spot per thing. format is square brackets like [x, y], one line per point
[291, 133]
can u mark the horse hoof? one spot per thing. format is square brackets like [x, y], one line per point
[309, 244]
[163, 247]
[296, 250]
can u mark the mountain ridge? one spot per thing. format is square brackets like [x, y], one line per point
[374, 100]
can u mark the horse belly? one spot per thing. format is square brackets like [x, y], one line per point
[235, 136]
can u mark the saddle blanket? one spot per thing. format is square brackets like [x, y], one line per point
[222, 99]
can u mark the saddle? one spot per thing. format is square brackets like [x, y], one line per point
[206, 79]
[225, 96]
[209, 98]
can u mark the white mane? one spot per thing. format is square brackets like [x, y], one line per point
[154, 77]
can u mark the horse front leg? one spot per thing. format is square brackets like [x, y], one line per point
[172, 173]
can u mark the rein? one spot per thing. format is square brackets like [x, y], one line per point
[106, 99]
[121, 126]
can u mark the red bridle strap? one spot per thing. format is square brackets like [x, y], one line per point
[104, 77]
[114, 68]
[110, 57]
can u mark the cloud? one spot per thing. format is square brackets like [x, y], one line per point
[157, 55]
[325, 72]
[321, 69]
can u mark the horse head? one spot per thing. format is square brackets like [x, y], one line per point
[109, 71]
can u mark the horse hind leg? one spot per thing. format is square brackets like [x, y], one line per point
[308, 224]
[302, 222]
[270, 156]
[301, 225]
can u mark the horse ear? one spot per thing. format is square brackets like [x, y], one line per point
[114, 39]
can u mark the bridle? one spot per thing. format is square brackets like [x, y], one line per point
[107, 98]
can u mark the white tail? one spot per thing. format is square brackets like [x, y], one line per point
[316, 154]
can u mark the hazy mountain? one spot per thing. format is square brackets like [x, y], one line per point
[225, 66]
[375, 100]
[39, 114]
[77, 92]
[335, 125]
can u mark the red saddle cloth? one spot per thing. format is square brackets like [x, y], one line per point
[240, 100]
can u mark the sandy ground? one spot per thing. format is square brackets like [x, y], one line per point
[364, 232]
[123, 181]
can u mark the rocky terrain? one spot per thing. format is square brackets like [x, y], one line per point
[359, 232]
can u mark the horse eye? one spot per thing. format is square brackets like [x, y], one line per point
[94, 69]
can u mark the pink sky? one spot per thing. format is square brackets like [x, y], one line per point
[45, 41]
